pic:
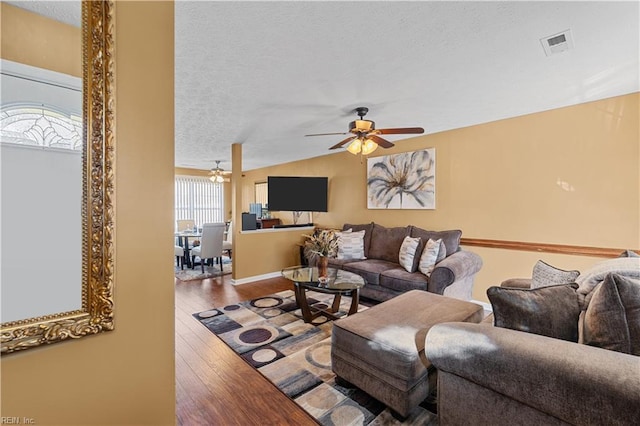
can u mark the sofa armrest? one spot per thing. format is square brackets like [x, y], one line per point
[516, 283]
[459, 265]
[576, 383]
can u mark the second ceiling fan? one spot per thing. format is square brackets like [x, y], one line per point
[218, 174]
[365, 137]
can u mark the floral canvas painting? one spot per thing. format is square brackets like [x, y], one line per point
[402, 181]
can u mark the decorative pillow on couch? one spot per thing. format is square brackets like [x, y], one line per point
[450, 238]
[551, 311]
[612, 319]
[434, 251]
[351, 245]
[407, 253]
[367, 228]
[545, 275]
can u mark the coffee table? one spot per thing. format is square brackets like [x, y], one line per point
[337, 282]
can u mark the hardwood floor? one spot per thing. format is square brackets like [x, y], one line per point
[214, 386]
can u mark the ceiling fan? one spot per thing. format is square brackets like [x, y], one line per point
[218, 174]
[365, 137]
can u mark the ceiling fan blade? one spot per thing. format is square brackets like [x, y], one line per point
[327, 134]
[339, 144]
[382, 142]
[400, 131]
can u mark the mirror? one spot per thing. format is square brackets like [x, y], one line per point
[94, 296]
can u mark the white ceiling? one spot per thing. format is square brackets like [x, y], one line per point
[264, 74]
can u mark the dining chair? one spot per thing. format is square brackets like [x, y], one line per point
[210, 244]
[227, 244]
[179, 254]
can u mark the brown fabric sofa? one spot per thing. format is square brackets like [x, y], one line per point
[491, 375]
[452, 276]
[495, 376]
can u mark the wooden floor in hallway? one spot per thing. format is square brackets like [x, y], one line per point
[214, 386]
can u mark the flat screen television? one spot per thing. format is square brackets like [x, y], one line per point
[297, 193]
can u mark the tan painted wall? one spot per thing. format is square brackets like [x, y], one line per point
[566, 176]
[125, 376]
[51, 44]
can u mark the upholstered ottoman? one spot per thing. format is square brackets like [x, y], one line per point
[381, 350]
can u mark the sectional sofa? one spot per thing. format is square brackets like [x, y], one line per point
[582, 365]
[453, 276]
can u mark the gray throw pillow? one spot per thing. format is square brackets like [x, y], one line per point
[545, 275]
[551, 311]
[612, 320]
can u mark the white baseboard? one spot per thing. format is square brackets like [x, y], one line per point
[256, 278]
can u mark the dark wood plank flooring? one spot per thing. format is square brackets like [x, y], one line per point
[214, 386]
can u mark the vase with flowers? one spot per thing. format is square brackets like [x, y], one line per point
[319, 246]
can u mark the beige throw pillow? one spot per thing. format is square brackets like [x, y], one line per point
[433, 252]
[350, 245]
[408, 253]
[545, 275]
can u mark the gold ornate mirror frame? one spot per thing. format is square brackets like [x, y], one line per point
[96, 313]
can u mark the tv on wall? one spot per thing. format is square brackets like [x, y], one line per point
[297, 193]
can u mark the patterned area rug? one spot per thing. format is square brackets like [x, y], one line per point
[269, 334]
[187, 274]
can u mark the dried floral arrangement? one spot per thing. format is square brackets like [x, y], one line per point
[323, 242]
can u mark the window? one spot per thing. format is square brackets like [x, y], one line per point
[40, 108]
[261, 193]
[39, 126]
[199, 199]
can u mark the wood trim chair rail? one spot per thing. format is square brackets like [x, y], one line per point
[544, 247]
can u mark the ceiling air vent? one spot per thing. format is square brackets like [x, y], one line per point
[557, 43]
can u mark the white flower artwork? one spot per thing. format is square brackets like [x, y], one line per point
[402, 181]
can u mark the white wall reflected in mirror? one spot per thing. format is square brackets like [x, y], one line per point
[41, 192]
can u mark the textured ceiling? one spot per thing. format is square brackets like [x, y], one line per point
[68, 12]
[264, 74]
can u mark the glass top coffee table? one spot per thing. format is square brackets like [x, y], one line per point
[337, 282]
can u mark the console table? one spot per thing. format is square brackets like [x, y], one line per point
[268, 223]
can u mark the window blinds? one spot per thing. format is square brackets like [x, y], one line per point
[199, 199]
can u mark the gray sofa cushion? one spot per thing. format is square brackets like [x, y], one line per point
[367, 228]
[450, 238]
[612, 320]
[386, 242]
[399, 279]
[549, 311]
[338, 263]
[370, 269]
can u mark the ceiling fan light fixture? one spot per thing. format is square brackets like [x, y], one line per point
[355, 147]
[216, 178]
[369, 146]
